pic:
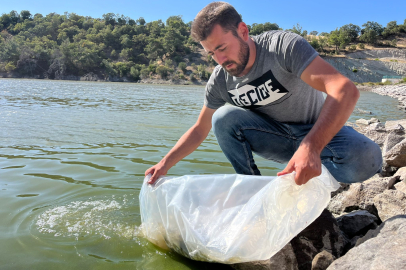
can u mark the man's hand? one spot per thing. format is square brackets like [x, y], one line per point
[156, 171]
[306, 163]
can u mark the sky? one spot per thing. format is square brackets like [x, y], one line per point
[314, 15]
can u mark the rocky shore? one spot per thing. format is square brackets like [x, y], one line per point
[364, 225]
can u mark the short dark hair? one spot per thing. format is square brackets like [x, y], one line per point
[220, 13]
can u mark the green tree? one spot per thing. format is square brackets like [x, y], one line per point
[369, 36]
[256, 29]
[172, 42]
[162, 71]
[351, 30]
[135, 74]
[334, 39]
[25, 15]
[391, 29]
[372, 26]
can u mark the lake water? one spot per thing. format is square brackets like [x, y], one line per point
[72, 162]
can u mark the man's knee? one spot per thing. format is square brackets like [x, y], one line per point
[225, 119]
[363, 162]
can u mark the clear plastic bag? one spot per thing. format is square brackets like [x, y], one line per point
[230, 218]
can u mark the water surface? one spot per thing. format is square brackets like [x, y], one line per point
[72, 160]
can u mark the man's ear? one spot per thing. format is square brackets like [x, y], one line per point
[243, 31]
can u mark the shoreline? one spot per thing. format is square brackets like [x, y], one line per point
[91, 77]
[397, 91]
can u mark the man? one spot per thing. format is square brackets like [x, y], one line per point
[274, 83]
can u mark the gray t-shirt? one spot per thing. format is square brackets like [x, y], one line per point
[273, 86]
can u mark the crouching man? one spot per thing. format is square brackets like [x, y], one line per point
[273, 85]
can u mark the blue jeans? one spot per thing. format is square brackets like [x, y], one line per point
[350, 156]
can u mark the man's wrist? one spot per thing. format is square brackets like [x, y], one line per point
[311, 146]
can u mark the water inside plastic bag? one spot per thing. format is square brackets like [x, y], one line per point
[230, 218]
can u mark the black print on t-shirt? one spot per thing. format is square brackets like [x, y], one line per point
[259, 92]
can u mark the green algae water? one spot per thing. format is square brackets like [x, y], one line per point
[72, 162]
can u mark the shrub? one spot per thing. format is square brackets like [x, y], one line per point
[152, 68]
[353, 47]
[10, 67]
[361, 46]
[387, 82]
[163, 71]
[135, 74]
[182, 66]
[144, 73]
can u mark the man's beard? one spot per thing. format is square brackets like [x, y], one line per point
[243, 57]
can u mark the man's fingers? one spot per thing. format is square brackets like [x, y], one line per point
[153, 178]
[149, 171]
[300, 177]
[288, 169]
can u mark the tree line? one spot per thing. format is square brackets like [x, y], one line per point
[115, 46]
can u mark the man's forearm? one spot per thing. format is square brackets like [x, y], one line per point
[337, 108]
[185, 145]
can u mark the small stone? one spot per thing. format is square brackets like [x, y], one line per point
[374, 120]
[284, 260]
[322, 260]
[362, 122]
[376, 126]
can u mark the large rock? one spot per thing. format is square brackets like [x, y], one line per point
[322, 260]
[357, 223]
[378, 135]
[360, 196]
[390, 203]
[383, 248]
[322, 234]
[393, 138]
[285, 259]
[397, 155]
[395, 125]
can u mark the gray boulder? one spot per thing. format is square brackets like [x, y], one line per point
[357, 223]
[395, 125]
[393, 138]
[322, 260]
[360, 196]
[383, 248]
[376, 135]
[397, 155]
[390, 203]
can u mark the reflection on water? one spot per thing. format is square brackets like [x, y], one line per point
[72, 162]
